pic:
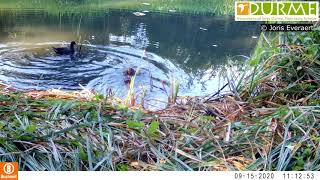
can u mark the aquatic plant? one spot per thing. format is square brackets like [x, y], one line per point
[174, 90]
[131, 98]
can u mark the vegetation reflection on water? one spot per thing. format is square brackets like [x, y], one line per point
[190, 48]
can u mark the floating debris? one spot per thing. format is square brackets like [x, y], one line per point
[187, 60]
[203, 29]
[156, 44]
[146, 4]
[214, 45]
[254, 37]
[139, 14]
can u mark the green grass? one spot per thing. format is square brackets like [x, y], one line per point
[71, 6]
[290, 72]
[51, 133]
[285, 80]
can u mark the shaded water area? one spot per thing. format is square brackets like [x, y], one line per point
[190, 48]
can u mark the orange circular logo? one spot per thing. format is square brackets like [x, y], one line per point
[8, 168]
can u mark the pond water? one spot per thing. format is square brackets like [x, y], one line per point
[190, 48]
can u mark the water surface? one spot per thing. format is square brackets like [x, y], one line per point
[190, 48]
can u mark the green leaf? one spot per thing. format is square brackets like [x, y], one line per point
[135, 125]
[31, 128]
[300, 162]
[253, 62]
[2, 124]
[98, 97]
[153, 128]
[137, 115]
[192, 130]
[122, 167]
[82, 154]
[26, 138]
[207, 118]
[297, 168]
[307, 152]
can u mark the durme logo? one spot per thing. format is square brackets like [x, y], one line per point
[277, 11]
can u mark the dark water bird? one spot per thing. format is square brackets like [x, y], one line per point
[127, 80]
[128, 75]
[130, 71]
[65, 50]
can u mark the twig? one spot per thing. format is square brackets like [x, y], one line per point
[218, 92]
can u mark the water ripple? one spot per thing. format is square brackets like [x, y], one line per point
[35, 66]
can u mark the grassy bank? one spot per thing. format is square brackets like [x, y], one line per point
[71, 6]
[270, 121]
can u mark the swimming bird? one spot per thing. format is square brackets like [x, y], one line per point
[127, 80]
[65, 50]
[130, 72]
